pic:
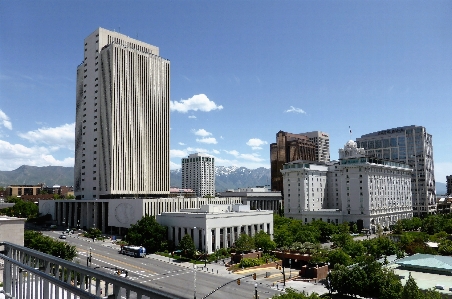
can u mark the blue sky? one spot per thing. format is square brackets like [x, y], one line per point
[240, 72]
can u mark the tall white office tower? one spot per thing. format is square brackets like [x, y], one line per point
[411, 145]
[122, 119]
[198, 173]
[322, 142]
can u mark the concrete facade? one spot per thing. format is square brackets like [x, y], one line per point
[413, 146]
[259, 198]
[12, 229]
[122, 119]
[115, 215]
[198, 173]
[322, 142]
[359, 189]
[216, 226]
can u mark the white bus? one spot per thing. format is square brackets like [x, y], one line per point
[136, 251]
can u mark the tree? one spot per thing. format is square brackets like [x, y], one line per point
[342, 239]
[93, 233]
[339, 257]
[187, 246]
[411, 290]
[398, 228]
[22, 209]
[37, 241]
[244, 243]
[445, 248]
[148, 233]
[263, 241]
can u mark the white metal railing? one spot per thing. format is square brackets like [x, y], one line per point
[30, 274]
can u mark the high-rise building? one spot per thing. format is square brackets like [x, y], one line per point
[322, 142]
[369, 191]
[413, 146]
[122, 119]
[449, 185]
[288, 147]
[198, 173]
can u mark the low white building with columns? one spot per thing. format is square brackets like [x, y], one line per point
[258, 198]
[216, 226]
[114, 216]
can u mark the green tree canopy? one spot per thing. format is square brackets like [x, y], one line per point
[22, 209]
[244, 243]
[37, 241]
[263, 241]
[148, 233]
[187, 246]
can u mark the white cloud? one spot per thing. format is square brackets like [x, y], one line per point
[197, 150]
[4, 120]
[215, 152]
[442, 169]
[256, 143]
[14, 155]
[250, 157]
[58, 137]
[174, 165]
[233, 152]
[181, 143]
[208, 140]
[201, 132]
[178, 153]
[191, 116]
[198, 102]
[295, 110]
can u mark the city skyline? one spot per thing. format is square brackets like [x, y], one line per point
[240, 72]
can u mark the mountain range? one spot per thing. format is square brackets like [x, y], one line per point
[226, 177]
[231, 177]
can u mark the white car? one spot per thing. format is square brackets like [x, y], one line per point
[62, 236]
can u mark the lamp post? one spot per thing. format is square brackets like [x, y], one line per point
[64, 222]
[90, 256]
[194, 281]
[205, 247]
[255, 290]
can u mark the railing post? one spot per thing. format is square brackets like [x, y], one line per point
[45, 283]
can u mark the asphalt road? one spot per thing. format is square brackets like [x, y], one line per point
[170, 276]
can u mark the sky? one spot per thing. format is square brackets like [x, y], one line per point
[240, 72]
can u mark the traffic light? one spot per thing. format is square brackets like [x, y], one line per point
[254, 276]
[238, 281]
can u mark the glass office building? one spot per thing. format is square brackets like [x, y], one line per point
[411, 145]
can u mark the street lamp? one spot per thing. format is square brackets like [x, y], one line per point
[89, 258]
[255, 290]
[194, 282]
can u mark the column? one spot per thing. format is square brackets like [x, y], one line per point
[253, 232]
[70, 215]
[217, 239]
[176, 235]
[196, 237]
[225, 237]
[63, 219]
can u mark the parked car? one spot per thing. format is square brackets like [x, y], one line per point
[62, 236]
